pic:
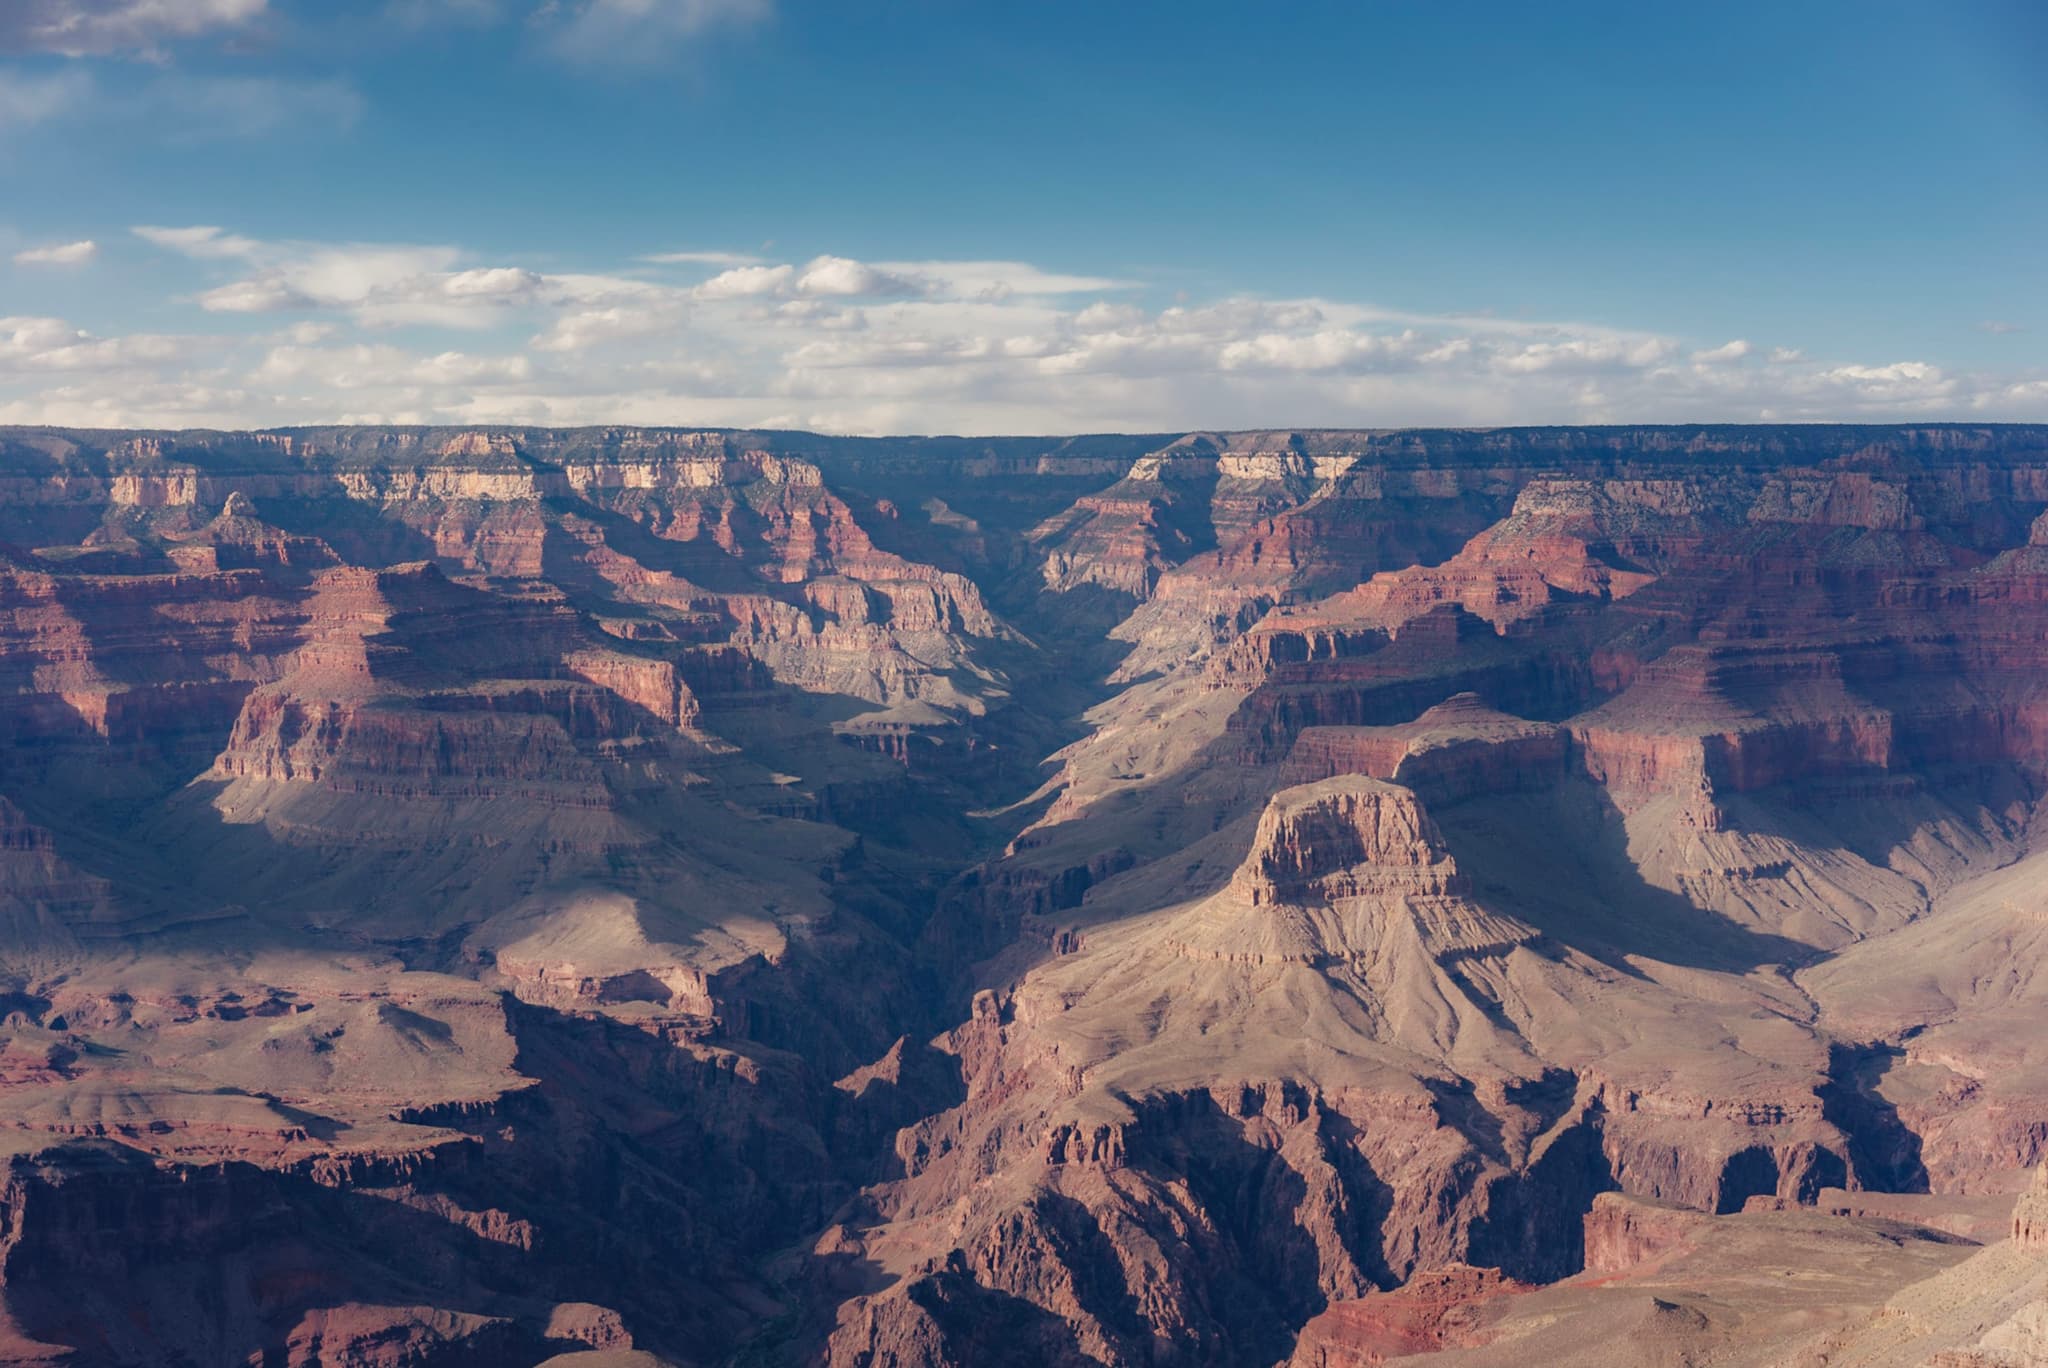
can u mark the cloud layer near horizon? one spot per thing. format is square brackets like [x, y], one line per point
[287, 332]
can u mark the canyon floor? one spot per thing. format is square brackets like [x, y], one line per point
[637, 896]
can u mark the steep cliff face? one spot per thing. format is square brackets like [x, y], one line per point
[1430, 1313]
[2030, 1215]
[1401, 1056]
[1344, 838]
[1709, 698]
[1217, 897]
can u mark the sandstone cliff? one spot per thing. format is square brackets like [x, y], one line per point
[481, 894]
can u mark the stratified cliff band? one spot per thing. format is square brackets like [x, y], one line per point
[498, 896]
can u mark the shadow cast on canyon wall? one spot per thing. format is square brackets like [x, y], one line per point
[1559, 860]
[630, 1175]
[1883, 1151]
[980, 1325]
[1263, 1270]
[226, 1263]
[1534, 1221]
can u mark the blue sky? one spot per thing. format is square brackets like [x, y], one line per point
[925, 215]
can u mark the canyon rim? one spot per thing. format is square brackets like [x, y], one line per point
[497, 895]
[943, 684]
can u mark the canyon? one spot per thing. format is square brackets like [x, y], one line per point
[634, 896]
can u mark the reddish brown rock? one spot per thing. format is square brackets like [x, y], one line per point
[1341, 838]
[2030, 1215]
[444, 872]
[1432, 1311]
[1624, 1233]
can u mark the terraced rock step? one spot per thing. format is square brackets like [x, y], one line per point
[1463, 897]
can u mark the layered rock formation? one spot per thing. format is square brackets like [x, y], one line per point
[489, 895]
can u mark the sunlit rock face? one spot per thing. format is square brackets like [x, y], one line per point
[474, 895]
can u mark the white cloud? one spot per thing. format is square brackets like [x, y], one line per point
[1999, 327]
[843, 344]
[23, 337]
[79, 28]
[493, 282]
[998, 279]
[133, 404]
[253, 296]
[580, 328]
[205, 242]
[1103, 316]
[832, 275]
[1727, 351]
[1586, 355]
[383, 366]
[1898, 372]
[702, 259]
[1327, 349]
[352, 273]
[741, 281]
[378, 284]
[40, 345]
[394, 285]
[59, 254]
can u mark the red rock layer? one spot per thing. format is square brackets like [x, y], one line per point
[1420, 1318]
[484, 847]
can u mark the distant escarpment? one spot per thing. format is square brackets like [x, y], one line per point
[482, 894]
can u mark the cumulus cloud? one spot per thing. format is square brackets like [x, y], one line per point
[41, 345]
[23, 337]
[746, 274]
[1903, 381]
[832, 275]
[1727, 351]
[59, 254]
[742, 281]
[82, 28]
[827, 276]
[382, 285]
[493, 282]
[1327, 349]
[366, 366]
[1585, 355]
[254, 296]
[587, 328]
[842, 344]
[1103, 316]
[1898, 372]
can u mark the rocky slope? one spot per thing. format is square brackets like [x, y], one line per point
[1321, 897]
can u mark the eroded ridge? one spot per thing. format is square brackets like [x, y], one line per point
[475, 895]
